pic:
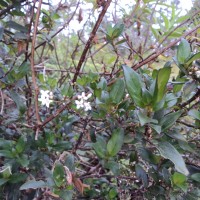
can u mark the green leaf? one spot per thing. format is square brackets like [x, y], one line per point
[133, 84]
[144, 119]
[117, 30]
[17, 26]
[117, 91]
[176, 135]
[112, 193]
[194, 113]
[169, 152]
[33, 185]
[3, 180]
[100, 147]
[3, 3]
[161, 82]
[183, 51]
[196, 177]
[23, 160]
[20, 146]
[141, 174]
[180, 180]
[146, 97]
[113, 166]
[66, 194]
[18, 101]
[189, 89]
[59, 175]
[193, 58]
[70, 162]
[116, 141]
[6, 172]
[168, 120]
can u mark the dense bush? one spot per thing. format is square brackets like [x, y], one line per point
[85, 121]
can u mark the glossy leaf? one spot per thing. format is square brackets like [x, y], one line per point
[133, 84]
[100, 147]
[18, 101]
[183, 51]
[33, 185]
[196, 177]
[116, 141]
[17, 26]
[193, 58]
[161, 83]
[168, 120]
[194, 113]
[117, 91]
[169, 152]
[59, 175]
[145, 119]
[141, 174]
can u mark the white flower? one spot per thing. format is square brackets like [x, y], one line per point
[198, 74]
[79, 104]
[87, 106]
[82, 103]
[45, 98]
[82, 96]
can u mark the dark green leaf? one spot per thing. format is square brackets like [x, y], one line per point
[176, 135]
[168, 120]
[3, 180]
[117, 91]
[196, 177]
[168, 151]
[141, 174]
[59, 175]
[33, 185]
[16, 26]
[183, 51]
[144, 119]
[70, 162]
[100, 147]
[18, 101]
[116, 141]
[193, 58]
[133, 84]
[3, 3]
[146, 97]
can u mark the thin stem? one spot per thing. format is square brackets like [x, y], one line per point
[32, 63]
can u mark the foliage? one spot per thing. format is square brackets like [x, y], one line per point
[120, 114]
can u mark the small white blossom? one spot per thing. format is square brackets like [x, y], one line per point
[45, 98]
[83, 96]
[82, 103]
[198, 74]
[87, 106]
[79, 104]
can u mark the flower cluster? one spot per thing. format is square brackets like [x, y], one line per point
[46, 97]
[82, 102]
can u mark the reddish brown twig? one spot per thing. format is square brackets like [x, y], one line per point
[89, 42]
[32, 63]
